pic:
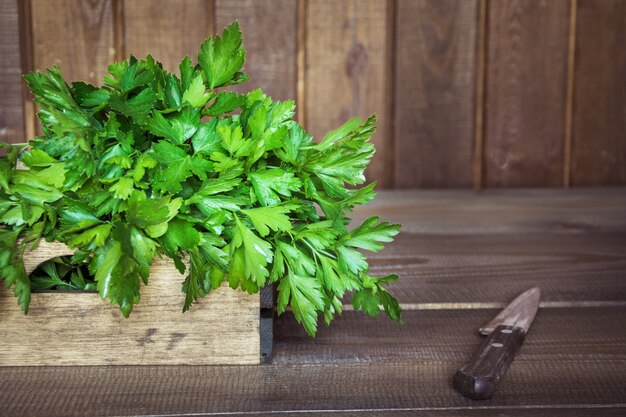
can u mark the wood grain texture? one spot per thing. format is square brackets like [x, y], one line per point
[571, 364]
[434, 93]
[460, 247]
[452, 336]
[479, 99]
[569, 93]
[11, 110]
[347, 73]
[358, 364]
[501, 211]
[458, 271]
[526, 90]
[599, 122]
[167, 29]
[269, 35]
[78, 35]
[26, 57]
[81, 329]
[479, 411]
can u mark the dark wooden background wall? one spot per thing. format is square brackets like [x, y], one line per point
[470, 93]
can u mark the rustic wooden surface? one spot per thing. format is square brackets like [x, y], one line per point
[598, 142]
[347, 74]
[11, 120]
[469, 93]
[269, 35]
[81, 329]
[434, 93]
[78, 35]
[458, 255]
[154, 27]
[525, 93]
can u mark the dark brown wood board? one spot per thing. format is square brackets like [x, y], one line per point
[479, 93]
[525, 93]
[599, 122]
[498, 243]
[571, 364]
[434, 93]
[462, 271]
[167, 29]
[361, 364]
[346, 74]
[269, 35]
[11, 110]
[78, 35]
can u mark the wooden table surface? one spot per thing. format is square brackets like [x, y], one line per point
[461, 255]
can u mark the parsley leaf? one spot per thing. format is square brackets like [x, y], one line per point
[221, 58]
[266, 218]
[269, 184]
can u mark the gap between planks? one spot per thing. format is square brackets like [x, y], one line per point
[399, 410]
[480, 306]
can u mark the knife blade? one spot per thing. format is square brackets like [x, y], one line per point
[505, 334]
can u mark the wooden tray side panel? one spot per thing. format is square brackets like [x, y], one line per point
[82, 329]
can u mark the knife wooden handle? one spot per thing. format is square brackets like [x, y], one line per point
[478, 378]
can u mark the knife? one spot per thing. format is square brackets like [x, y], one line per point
[505, 334]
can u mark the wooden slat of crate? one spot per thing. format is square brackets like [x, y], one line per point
[82, 329]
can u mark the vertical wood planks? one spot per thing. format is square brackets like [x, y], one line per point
[434, 87]
[526, 90]
[167, 29]
[347, 75]
[599, 122]
[418, 64]
[11, 119]
[76, 34]
[269, 35]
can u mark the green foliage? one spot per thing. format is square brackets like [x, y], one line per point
[158, 164]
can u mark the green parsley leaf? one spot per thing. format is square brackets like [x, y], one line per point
[269, 184]
[369, 235]
[196, 94]
[115, 276]
[257, 253]
[222, 58]
[266, 218]
[304, 295]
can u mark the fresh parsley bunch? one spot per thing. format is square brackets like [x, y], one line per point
[154, 164]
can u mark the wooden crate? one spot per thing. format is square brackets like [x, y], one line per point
[66, 328]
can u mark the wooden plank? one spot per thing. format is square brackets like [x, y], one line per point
[569, 94]
[347, 73]
[526, 90]
[549, 411]
[76, 34]
[484, 411]
[270, 30]
[359, 365]
[479, 100]
[11, 110]
[461, 271]
[458, 248]
[598, 145]
[26, 55]
[81, 329]
[452, 336]
[434, 93]
[167, 29]
[501, 211]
